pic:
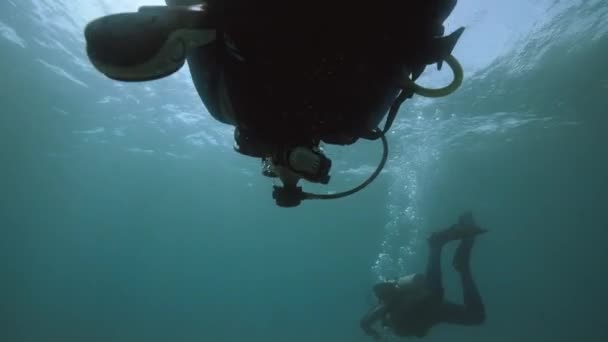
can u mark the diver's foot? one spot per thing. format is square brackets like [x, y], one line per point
[462, 256]
[465, 228]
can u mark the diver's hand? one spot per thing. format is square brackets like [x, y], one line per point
[374, 315]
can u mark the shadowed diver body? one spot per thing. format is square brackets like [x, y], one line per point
[412, 305]
[288, 75]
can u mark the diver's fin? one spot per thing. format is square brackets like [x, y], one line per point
[147, 45]
[465, 228]
[468, 227]
[466, 219]
[445, 46]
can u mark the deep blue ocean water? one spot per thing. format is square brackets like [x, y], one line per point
[127, 216]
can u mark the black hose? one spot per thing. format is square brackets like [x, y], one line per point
[362, 185]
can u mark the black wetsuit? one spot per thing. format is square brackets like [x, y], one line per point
[434, 309]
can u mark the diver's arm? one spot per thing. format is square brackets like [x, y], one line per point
[374, 315]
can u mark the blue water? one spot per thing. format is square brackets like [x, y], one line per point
[126, 216]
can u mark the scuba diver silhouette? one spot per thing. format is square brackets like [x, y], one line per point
[413, 304]
[288, 75]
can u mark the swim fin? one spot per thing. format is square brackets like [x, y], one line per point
[466, 219]
[465, 228]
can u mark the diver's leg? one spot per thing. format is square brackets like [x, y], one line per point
[462, 263]
[436, 242]
[473, 310]
[465, 228]
[433, 266]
